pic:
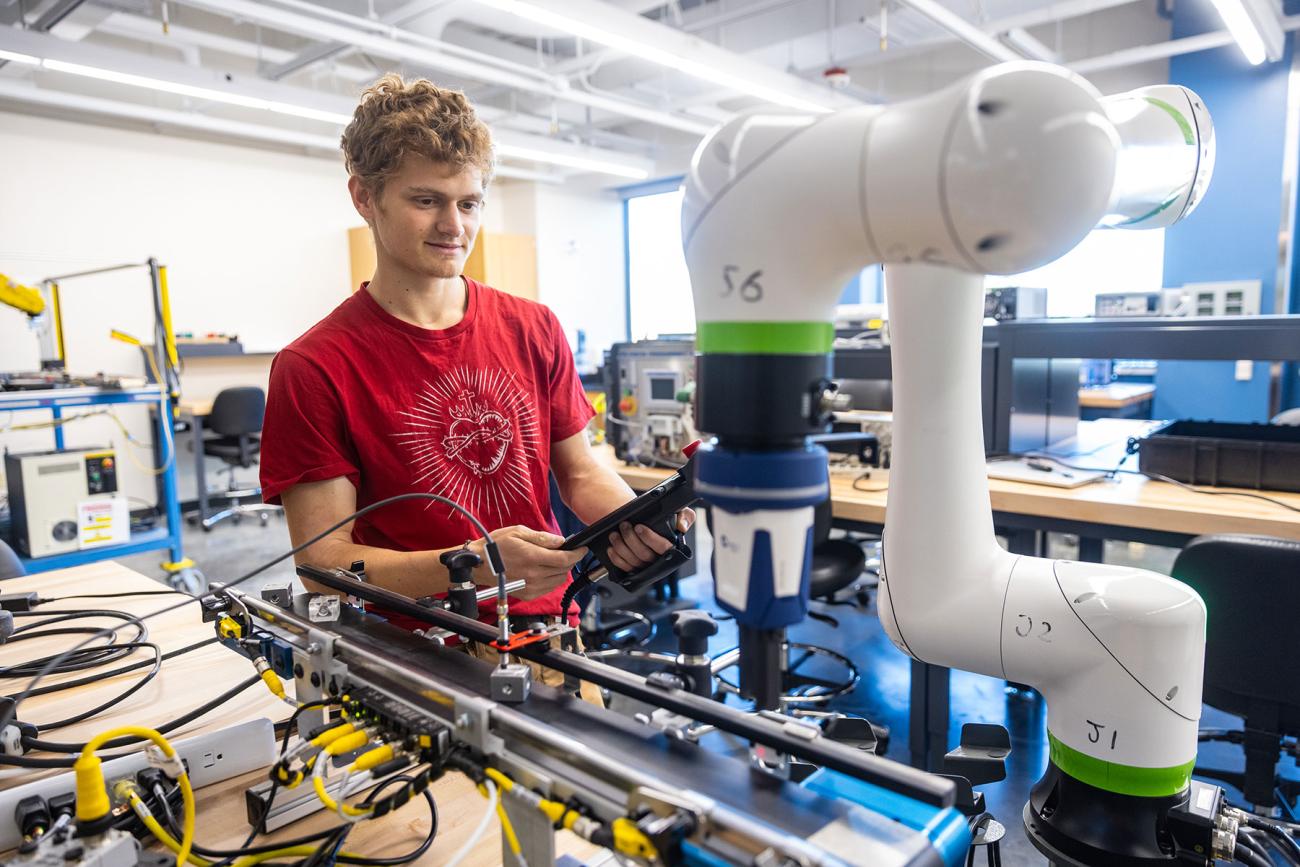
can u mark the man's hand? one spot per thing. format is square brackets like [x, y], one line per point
[631, 547]
[531, 555]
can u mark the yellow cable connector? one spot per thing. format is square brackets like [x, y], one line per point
[92, 795]
[270, 678]
[372, 759]
[347, 743]
[229, 627]
[325, 738]
[631, 840]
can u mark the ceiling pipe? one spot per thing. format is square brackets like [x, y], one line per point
[554, 88]
[1164, 50]
[94, 61]
[963, 30]
[320, 145]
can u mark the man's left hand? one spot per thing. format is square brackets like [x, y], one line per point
[631, 547]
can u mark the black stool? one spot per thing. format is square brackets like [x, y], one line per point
[1251, 588]
[236, 419]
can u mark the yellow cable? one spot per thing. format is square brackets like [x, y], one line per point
[318, 783]
[92, 795]
[246, 861]
[347, 743]
[508, 829]
[327, 737]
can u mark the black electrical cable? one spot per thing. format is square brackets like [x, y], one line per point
[1285, 840]
[1157, 476]
[53, 747]
[490, 546]
[117, 699]
[419, 850]
[1246, 838]
[1248, 857]
[1265, 846]
[44, 600]
[80, 657]
[92, 678]
[872, 490]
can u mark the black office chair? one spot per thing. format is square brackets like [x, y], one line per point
[236, 419]
[10, 565]
[1251, 588]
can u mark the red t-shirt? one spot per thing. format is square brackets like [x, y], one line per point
[468, 412]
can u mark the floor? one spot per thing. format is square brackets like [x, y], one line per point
[229, 551]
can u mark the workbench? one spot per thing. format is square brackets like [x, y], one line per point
[1129, 508]
[189, 680]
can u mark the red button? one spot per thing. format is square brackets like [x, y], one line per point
[689, 450]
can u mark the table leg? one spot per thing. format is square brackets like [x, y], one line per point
[1026, 542]
[1092, 550]
[200, 476]
[57, 413]
[928, 717]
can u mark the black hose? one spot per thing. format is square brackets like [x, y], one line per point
[1249, 858]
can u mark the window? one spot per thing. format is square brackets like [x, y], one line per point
[658, 285]
[1108, 260]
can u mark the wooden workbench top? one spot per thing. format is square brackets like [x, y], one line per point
[191, 679]
[1128, 501]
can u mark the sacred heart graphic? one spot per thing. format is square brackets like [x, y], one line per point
[478, 441]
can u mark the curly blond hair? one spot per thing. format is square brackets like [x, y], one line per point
[395, 118]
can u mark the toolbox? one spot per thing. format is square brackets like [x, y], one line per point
[1224, 454]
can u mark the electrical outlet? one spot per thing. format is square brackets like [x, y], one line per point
[1245, 370]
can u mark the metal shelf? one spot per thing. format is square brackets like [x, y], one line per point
[168, 536]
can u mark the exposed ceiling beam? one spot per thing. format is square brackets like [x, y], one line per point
[963, 30]
[679, 52]
[58, 10]
[543, 84]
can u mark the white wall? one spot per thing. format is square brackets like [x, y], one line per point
[580, 273]
[254, 240]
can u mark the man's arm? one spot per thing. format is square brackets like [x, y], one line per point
[593, 490]
[311, 507]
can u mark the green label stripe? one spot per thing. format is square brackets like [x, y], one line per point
[764, 338]
[1151, 213]
[1123, 779]
[1177, 115]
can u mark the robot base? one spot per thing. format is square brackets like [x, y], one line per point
[1077, 825]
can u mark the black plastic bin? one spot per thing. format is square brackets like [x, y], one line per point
[1224, 454]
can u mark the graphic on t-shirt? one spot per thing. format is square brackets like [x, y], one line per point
[472, 437]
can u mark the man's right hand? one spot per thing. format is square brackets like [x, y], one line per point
[531, 555]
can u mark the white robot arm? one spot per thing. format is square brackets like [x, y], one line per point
[999, 174]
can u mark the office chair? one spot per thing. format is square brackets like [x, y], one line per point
[236, 419]
[10, 565]
[1251, 588]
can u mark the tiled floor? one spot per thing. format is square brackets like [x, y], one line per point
[882, 696]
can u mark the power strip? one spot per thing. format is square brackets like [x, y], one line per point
[209, 758]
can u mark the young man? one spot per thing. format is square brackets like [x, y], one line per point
[425, 380]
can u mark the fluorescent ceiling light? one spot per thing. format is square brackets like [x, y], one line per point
[15, 57]
[574, 162]
[668, 59]
[192, 91]
[1255, 27]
